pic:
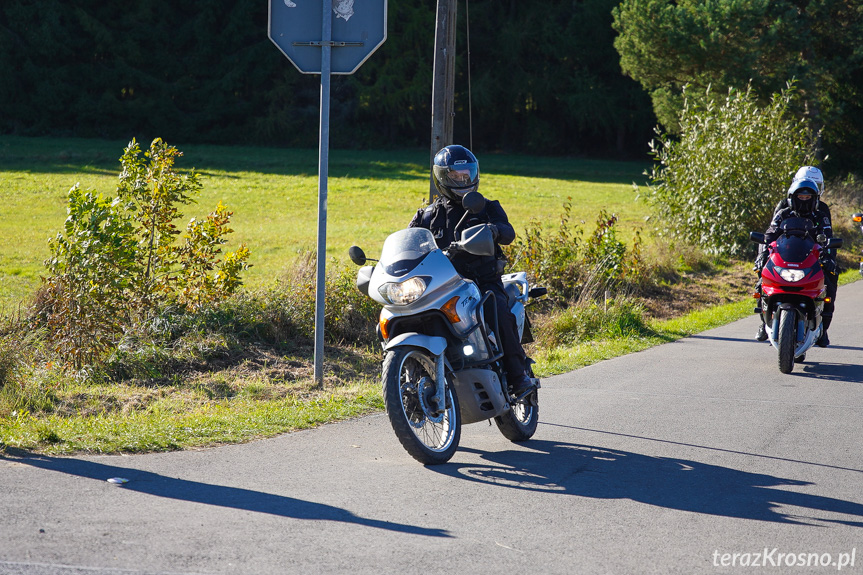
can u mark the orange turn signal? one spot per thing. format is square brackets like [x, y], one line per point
[858, 218]
[756, 295]
[384, 322]
[448, 310]
[827, 300]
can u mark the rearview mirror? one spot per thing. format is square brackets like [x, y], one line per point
[473, 202]
[357, 255]
[756, 237]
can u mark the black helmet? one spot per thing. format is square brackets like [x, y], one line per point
[456, 172]
[800, 189]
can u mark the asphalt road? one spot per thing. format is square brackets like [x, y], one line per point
[697, 456]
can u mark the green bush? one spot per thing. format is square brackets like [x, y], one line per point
[730, 166]
[589, 321]
[10, 358]
[350, 317]
[177, 340]
[571, 266]
[118, 260]
[27, 381]
[549, 257]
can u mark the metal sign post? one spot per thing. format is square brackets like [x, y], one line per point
[323, 173]
[359, 32]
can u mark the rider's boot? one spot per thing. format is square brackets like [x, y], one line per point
[519, 384]
[824, 341]
[762, 329]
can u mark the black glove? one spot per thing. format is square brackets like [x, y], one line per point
[829, 266]
[494, 232]
[760, 262]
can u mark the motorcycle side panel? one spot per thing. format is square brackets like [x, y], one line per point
[519, 279]
[479, 394]
[517, 310]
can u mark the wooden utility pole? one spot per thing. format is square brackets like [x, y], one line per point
[443, 84]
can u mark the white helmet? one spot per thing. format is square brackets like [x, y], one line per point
[811, 173]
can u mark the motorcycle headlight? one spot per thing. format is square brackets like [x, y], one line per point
[790, 275]
[404, 293]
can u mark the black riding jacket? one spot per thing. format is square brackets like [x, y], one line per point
[442, 216]
[821, 218]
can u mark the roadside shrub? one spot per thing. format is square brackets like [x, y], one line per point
[665, 264]
[549, 257]
[351, 317]
[844, 194]
[120, 259]
[176, 340]
[34, 391]
[10, 358]
[588, 321]
[569, 265]
[727, 170]
[603, 251]
[845, 198]
[20, 388]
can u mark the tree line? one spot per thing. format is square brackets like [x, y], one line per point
[545, 76]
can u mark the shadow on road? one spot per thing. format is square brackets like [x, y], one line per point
[830, 371]
[208, 494]
[735, 339]
[585, 471]
[815, 369]
[761, 343]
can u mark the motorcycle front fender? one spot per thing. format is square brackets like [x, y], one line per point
[435, 345]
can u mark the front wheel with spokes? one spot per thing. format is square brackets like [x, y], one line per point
[427, 432]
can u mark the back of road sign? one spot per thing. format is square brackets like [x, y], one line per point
[359, 28]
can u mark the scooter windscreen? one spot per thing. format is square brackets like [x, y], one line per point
[794, 248]
[405, 249]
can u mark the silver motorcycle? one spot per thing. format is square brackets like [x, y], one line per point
[442, 366]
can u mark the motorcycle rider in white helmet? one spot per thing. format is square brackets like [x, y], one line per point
[804, 173]
[807, 179]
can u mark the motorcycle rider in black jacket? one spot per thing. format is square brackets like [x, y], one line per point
[455, 173]
[803, 201]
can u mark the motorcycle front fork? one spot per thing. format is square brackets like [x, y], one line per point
[439, 398]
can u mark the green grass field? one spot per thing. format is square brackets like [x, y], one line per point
[273, 193]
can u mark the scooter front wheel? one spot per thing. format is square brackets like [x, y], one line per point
[429, 435]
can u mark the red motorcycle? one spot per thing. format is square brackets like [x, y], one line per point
[792, 290]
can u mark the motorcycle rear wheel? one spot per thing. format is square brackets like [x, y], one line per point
[519, 423]
[787, 340]
[408, 382]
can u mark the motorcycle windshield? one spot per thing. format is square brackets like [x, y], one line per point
[793, 248]
[405, 249]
